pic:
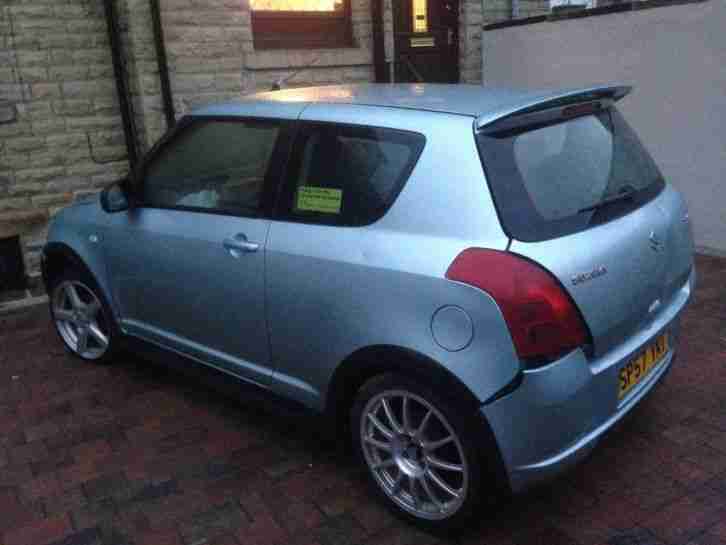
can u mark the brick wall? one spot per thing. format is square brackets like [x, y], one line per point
[64, 135]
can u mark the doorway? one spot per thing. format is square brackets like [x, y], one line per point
[426, 41]
[12, 266]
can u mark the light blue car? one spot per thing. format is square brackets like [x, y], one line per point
[474, 284]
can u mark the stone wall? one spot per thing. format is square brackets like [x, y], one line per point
[470, 31]
[212, 59]
[62, 134]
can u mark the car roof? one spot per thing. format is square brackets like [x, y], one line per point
[478, 101]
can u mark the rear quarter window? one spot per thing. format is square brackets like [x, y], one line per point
[347, 175]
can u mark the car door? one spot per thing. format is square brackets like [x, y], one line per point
[328, 283]
[187, 262]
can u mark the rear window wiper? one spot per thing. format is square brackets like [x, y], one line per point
[626, 194]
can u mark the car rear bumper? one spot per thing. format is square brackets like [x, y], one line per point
[559, 412]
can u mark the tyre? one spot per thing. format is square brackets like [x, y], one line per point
[82, 317]
[420, 451]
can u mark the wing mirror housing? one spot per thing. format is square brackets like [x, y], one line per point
[115, 198]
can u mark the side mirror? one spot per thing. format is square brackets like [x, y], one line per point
[114, 199]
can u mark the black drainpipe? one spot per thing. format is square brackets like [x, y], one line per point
[166, 95]
[124, 98]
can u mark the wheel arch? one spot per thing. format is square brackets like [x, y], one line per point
[368, 362]
[57, 256]
[372, 361]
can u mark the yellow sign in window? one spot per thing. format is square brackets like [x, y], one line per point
[319, 199]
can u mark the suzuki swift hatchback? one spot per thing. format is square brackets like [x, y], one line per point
[476, 284]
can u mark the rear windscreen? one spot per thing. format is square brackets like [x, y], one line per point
[547, 181]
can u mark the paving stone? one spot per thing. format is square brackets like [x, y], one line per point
[13, 514]
[107, 487]
[88, 536]
[39, 533]
[136, 454]
[42, 431]
[636, 536]
[58, 459]
[160, 537]
[14, 475]
[208, 524]
[31, 452]
[64, 501]
[40, 487]
[154, 491]
[340, 530]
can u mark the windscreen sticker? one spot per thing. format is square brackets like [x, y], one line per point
[319, 199]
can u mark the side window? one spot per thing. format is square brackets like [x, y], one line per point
[348, 175]
[213, 165]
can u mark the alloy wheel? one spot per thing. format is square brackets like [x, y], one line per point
[414, 454]
[79, 319]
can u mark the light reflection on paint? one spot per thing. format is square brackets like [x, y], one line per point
[331, 94]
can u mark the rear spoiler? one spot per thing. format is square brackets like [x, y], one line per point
[565, 104]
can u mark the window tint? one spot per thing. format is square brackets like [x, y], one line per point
[347, 175]
[213, 165]
[554, 161]
[545, 180]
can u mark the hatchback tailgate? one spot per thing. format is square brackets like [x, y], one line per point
[622, 273]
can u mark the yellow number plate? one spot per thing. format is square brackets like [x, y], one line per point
[637, 369]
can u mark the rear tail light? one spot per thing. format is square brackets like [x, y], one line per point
[542, 319]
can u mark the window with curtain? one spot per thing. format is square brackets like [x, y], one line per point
[301, 24]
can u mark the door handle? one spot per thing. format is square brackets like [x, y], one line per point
[239, 244]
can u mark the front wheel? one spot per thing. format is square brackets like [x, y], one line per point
[82, 318]
[420, 451]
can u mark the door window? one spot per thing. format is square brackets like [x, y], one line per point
[346, 175]
[217, 165]
[420, 15]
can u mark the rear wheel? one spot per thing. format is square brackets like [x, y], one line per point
[419, 450]
[82, 317]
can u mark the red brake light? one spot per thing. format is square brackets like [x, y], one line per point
[542, 319]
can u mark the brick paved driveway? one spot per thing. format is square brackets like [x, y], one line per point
[135, 454]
